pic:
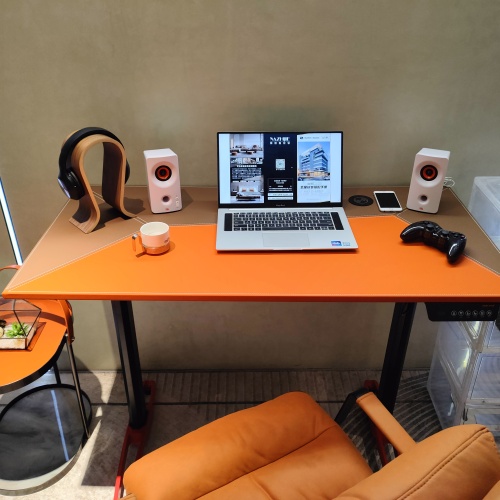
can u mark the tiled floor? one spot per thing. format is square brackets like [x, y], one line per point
[189, 399]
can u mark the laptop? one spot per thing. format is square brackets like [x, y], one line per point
[281, 191]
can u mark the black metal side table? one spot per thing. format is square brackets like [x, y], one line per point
[43, 429]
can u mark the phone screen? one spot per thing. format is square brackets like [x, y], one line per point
[387, 200]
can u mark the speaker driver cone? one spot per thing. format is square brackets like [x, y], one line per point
[428, 172]
[163, 173]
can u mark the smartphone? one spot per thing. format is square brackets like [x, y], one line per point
[387, 201]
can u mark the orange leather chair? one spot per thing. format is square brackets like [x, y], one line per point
[290, 448]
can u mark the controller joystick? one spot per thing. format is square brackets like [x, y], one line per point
[430, 233]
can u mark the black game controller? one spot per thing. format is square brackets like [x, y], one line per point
[450, 242]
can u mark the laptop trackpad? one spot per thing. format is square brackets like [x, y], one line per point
[286, 240]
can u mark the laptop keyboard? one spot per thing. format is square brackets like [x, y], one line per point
[282, 221]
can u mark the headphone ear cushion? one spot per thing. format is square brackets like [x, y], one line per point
[67, 179]
[70, 185]
[127, 172]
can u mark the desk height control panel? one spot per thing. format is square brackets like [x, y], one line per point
[462, 311]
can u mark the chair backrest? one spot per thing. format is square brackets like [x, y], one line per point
[458, 463]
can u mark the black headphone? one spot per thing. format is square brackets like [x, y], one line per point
[67, 179]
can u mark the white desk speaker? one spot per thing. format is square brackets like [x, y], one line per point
[164, 182]
[427, 180]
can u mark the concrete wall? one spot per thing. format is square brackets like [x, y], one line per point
[394, 75]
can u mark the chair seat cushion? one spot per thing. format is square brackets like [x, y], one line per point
[285, 448]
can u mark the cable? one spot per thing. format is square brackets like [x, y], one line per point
[449, 182]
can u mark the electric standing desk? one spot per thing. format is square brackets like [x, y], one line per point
[69, 264]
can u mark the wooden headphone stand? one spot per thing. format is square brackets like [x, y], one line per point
[88, 214]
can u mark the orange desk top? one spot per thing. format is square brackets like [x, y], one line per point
[19, 365]
[102, 265]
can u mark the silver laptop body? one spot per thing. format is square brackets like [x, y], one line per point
[281, 191]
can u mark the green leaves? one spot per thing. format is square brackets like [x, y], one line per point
[16, 330]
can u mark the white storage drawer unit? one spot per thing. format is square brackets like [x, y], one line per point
[462, 376]
[464, 380]
[484, 205]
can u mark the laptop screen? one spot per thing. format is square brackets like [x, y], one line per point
[280, 169]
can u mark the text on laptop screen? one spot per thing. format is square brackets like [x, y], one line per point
[280, 169]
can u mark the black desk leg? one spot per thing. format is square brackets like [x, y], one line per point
[129, 356]
[399, 335]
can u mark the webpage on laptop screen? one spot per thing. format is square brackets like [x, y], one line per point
[280, 169]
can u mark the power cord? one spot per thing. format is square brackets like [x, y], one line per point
[448, 182]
